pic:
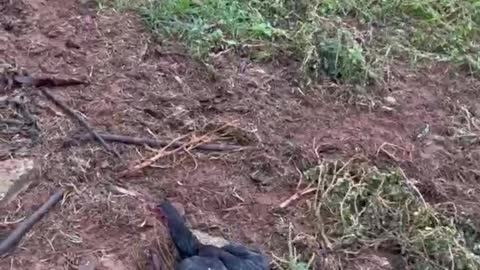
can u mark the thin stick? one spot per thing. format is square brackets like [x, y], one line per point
[80, 119]
[135, 194]
[46, 81]
[28, 223]
[157, 143]
[187, 146]
[150, 161]
[296, 196]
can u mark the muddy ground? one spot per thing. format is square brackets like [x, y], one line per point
[422, 121]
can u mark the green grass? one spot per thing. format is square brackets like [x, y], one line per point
[262, 30]
[365, 208]
[438, 30]
[209, 25]
[351, 40]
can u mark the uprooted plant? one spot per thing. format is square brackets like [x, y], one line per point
[363, 208]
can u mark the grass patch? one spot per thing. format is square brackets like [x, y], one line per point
[360, 209]
[262, 30]
[351, 40]
[208, 25]
[437, 29]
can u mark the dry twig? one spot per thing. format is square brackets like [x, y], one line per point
[157, 143]
[80, 119]
[28, 223]
[382, 149]
[132, 193]
[162, 153]
[187, 146]
[46, 81]
[296, 196]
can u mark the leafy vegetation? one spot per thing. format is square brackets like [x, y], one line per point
[360, 209]
[351, 40]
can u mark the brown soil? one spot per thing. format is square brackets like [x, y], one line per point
[141, 87]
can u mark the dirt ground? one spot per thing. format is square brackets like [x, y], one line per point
[424, 122]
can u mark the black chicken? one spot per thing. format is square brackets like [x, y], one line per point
[196, 256]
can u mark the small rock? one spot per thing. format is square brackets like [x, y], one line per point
[207, 239]
[390, 100]
[204, 238]
[14, 178]
[260, 178]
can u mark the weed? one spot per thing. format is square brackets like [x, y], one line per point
[362, 209]
[292, 262]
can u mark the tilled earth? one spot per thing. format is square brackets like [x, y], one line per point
[425, 123]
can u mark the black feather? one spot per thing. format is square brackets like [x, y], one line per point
[201, 263]
[196, 256]
[245, 258]
[187, 244]
[240, 250]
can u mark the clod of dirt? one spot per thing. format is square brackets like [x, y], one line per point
[72, 44]
[260, 178]
[14, 178]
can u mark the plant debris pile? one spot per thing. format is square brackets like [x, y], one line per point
[370, 208]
